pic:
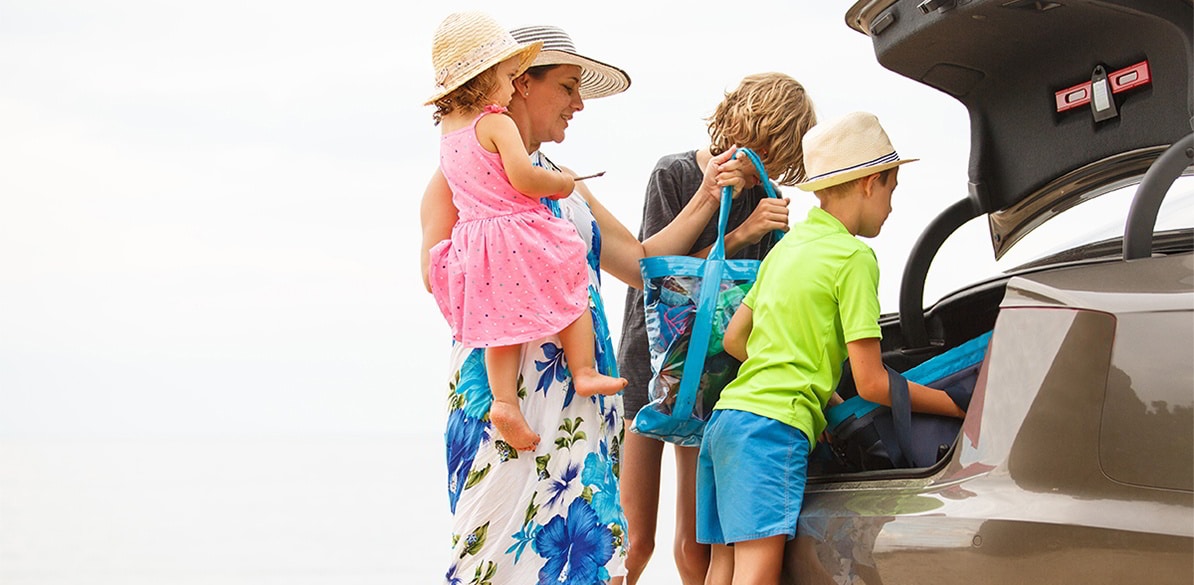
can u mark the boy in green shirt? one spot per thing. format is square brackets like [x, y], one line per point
[815, 303]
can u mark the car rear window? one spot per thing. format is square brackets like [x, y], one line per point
[966, 256]
[1101, 218]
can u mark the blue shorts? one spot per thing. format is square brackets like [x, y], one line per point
[750, 478]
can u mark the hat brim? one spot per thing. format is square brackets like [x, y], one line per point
[529, 52]
[597, 79]
[845, 176]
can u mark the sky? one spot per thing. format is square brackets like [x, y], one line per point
[209, 211]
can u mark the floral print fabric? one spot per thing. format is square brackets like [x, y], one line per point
[553, 515]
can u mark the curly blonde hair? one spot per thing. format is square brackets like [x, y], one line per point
[472, 96]
[768, 113]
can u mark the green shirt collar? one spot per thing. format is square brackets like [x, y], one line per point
[822, 220]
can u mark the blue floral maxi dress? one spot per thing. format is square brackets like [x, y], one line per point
[553, 515]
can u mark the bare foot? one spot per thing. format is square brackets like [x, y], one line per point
[510, 424]
[589, 382]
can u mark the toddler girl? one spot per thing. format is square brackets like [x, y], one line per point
[512, 272]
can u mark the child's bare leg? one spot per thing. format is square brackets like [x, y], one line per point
[577, 339]
[721, 565]
[501, 363]
[759, 560]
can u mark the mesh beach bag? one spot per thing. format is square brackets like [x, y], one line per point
[688, 303]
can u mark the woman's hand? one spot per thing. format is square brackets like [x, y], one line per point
[437, 216]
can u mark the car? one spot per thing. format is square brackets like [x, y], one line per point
[1075, 462]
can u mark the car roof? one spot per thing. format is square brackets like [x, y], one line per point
[1006, 61]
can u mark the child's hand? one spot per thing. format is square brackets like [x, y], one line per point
[834, 400]
[730, 168]
[769, 215]
[724, 170]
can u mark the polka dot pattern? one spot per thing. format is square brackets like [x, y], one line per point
[512, 272]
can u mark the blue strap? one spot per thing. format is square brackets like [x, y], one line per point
[698, 344]
[901, 414]
[854, 406]
[954, 360]
[727, 197]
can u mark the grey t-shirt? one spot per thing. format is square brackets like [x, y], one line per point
[676, 178]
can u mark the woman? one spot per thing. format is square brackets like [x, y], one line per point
[554, 514]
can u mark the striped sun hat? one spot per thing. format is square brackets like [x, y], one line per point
[845, 149]
[597, 79]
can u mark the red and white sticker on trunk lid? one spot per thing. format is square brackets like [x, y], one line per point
[1101, 87]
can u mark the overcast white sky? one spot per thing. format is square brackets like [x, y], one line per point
[209, 211]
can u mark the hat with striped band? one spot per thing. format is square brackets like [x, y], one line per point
[845, 149]
[467, 43]
[597, 79]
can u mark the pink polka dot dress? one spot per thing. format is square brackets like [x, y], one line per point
[512, 272]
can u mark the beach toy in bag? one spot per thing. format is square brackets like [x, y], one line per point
[688, 304]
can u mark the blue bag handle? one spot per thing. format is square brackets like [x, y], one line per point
[727, 198]
[698, 345]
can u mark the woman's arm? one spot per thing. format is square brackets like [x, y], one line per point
[621, 250]
[870, 377]
[437, 215]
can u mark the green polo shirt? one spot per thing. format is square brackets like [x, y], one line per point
[817, 290]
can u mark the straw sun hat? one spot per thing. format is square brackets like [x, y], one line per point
[597, 79]
[467, 43]
[845, 149]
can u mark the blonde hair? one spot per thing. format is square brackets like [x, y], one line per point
[768, 113]
[473, 95]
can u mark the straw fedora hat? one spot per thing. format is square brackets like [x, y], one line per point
[467, 43]
[845, 149]
[597, 79]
